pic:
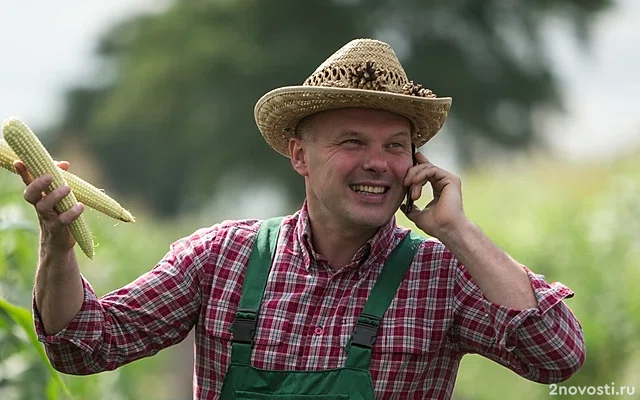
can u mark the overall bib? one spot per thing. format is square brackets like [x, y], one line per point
[353, 381]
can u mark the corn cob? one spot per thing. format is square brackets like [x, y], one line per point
[38, 161]
[85, 192]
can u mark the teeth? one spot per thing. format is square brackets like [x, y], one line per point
[368, 189]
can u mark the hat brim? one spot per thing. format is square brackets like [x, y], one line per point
[278, 112]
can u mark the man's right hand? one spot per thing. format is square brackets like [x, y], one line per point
[55, 239]
[59, 292]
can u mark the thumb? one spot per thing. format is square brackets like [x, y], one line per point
[63, 165]
[413, 213]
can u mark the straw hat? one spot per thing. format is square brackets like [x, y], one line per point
[363, 73]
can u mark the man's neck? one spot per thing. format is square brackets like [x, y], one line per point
[337, 244]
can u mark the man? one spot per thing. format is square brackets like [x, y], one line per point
[335, 301]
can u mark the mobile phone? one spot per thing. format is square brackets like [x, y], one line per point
[409, 202]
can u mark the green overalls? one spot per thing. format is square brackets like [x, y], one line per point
[353, 381]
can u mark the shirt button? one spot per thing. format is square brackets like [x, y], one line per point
[318, 330]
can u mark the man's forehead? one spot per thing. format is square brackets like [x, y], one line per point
[346, 117]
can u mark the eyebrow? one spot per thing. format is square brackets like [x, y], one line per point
[358, 134]
[403, 133]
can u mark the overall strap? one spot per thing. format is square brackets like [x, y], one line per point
[256, 274]
[383, 292]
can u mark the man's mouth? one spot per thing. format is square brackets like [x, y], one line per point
[368, 189]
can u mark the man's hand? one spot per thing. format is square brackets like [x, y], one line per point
[58, 291]
[55, 236]
[501, 279]
[444, 213]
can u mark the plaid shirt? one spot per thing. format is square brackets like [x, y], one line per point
[308, 313]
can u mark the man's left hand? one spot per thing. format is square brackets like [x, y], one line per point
[444, 213]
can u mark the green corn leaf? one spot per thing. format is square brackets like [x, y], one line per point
[52, 390]
[22, 317]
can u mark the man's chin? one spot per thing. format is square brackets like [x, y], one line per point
[372, 219]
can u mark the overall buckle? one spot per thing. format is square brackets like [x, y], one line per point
[244, 326]
[365, 332]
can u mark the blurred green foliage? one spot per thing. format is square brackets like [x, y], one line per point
[579, 225]
[123, 252]
[173, 102]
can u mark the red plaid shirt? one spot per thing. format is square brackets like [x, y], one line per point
[308, 313]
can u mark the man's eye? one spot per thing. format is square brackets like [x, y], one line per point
[351, 141]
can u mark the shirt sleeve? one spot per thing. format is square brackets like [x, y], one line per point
[544, 344]
[153, 312]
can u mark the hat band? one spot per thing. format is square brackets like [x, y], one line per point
[366, 76]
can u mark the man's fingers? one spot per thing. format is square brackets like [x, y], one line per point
[424, 172]
[46, 205]
[413, 213]
[26, 176]
[421, 158]
[416, 192]
[67, 217]
[427, 172]
[421, 163]
[63, 165]
[22, 171]
[33, 192]
[420, 174]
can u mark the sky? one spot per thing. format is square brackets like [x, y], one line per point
[601, 86]
[43, 55]
[48, 46]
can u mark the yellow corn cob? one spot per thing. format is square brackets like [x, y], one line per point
[85, 192]
[38, 161]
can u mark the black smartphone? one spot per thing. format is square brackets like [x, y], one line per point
[409, 202]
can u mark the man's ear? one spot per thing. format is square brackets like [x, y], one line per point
[297, 153]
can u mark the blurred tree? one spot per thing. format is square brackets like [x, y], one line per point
[174, 113]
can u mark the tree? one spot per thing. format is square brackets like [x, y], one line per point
[175, 113]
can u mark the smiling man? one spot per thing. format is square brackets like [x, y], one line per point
[335, 301]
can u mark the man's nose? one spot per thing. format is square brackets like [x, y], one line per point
[376, 161]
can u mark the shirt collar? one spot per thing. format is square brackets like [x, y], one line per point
[375, 248]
